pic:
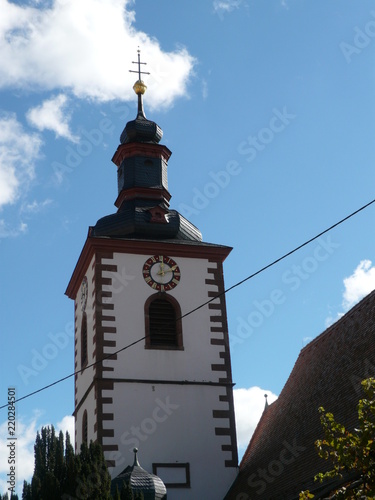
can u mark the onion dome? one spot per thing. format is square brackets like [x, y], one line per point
[141, 130]
[140, 481]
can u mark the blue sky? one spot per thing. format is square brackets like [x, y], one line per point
[269, 110]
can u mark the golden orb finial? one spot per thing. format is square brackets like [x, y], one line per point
[139, 87]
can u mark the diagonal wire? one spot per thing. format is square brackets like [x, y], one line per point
[280, 258]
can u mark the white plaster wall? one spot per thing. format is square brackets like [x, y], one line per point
[85, 378]
[129, 294]
[172, 424]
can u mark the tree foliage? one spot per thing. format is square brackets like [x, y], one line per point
[351, 453]
[60, 473]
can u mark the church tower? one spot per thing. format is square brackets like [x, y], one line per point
[153, 368]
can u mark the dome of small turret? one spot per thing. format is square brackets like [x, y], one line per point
[140, 481]
[141, 130]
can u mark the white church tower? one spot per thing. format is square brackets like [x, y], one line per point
[137, 285]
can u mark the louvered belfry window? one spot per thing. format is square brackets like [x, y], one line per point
[163, 323]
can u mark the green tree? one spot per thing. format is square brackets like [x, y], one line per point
[59, 473]
[26, 492]
[72, 467]
[93, 480]
[48, 474]
[352, 453]
[117, 495]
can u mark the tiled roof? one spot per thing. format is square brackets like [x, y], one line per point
[281, 459]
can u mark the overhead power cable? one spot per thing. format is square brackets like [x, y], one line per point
[280, 258]
[109, 356]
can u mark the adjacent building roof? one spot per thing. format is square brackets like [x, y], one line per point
[281, 459]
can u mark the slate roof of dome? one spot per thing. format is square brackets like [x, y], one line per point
[140, 480]
[141, 130]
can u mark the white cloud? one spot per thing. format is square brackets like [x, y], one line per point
[53, 115]
[221, 6]
[86, 47]
[26, 433]
[67, 425]
[357, 285]
[306, 340]
[7, 231]
[249, 405]
[18, 153]
[35, 207]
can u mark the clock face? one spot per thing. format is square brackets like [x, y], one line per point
[161, 273]
[84, 293]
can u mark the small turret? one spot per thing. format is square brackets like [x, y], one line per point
[140, 481]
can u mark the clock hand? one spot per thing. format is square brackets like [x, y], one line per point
[161, 272]
[170, 270]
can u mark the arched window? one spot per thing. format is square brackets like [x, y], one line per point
[84, 340]
[163, 322]
[84, 427]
